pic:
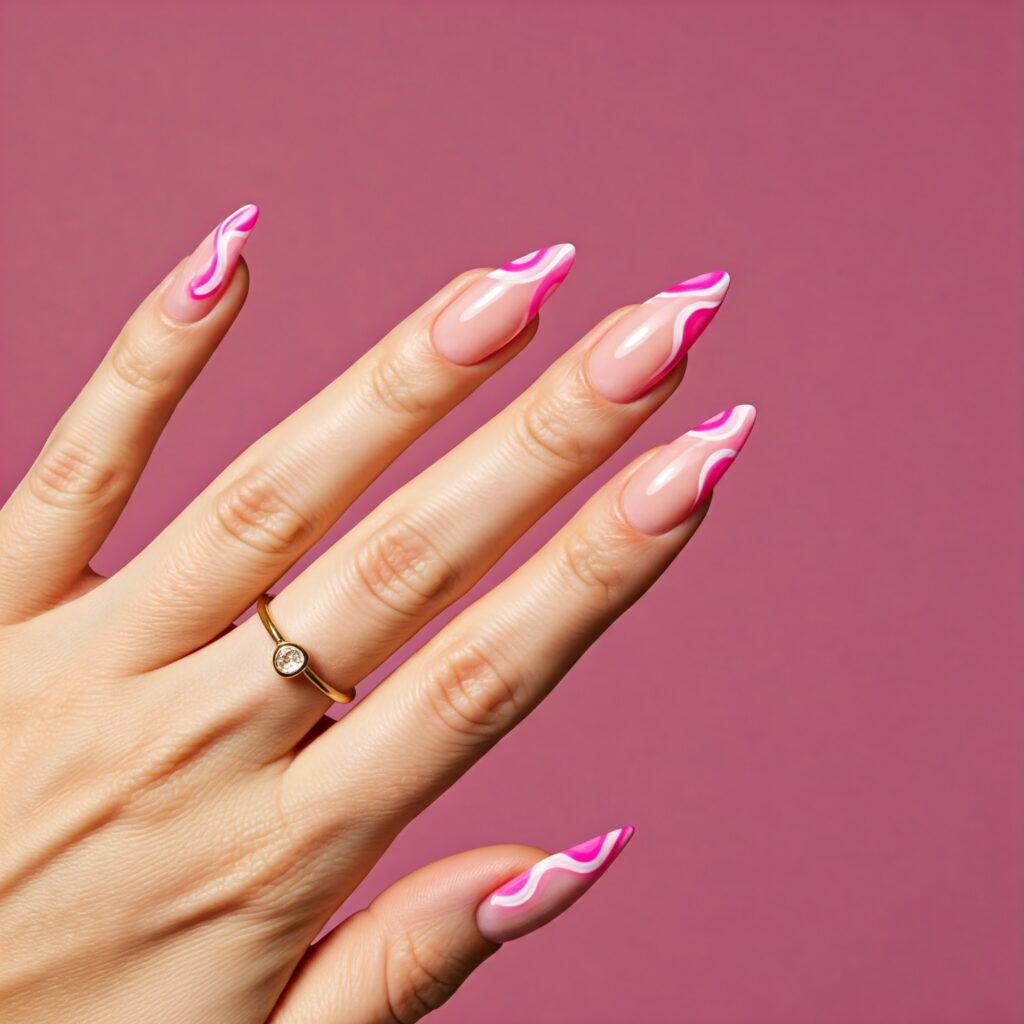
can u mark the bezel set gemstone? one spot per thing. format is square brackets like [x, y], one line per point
[289, 659]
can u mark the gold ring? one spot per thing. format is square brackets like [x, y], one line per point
[291, 660]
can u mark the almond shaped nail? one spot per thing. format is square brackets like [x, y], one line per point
[551, 886]
[650, 340]
[493, 310]
[671, 484]
[207, 272]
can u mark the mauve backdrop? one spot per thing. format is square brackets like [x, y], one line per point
[815, 717]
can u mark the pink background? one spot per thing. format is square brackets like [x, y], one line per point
[828, 794]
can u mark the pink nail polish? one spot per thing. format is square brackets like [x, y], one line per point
[206, 273]
[493, 310]
[671, 484]
[651, 339]
[552, 885]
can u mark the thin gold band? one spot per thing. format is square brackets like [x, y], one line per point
[291, 660]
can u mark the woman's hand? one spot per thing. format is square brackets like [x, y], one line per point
[177, 823]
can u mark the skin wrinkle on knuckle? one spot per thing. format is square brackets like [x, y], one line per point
[399, 383]
[72, 474]
[546, 429]
[414, 988]
[139, 363]
[593, 562]
[257, 512]
[471, 692]
[402, 569]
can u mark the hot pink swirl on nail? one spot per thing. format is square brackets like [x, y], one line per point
[729, 423]
[704, 295]
[228, 238]
[699, 283]
[711, 424]
[587, 859]
[548, 266]
[729, 428]
[669, 486]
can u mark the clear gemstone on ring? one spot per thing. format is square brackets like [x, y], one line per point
[289, 659]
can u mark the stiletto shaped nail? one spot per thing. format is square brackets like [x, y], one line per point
[671, 484]
[549, 887]
[206, 273]
[651, 339]
[493, 310]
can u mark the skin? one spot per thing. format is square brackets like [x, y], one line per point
[177, 821]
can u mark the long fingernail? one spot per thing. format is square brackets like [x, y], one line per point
[651, 339]
[207, 272]
[493, 310]
[549, 887]
[671, 484]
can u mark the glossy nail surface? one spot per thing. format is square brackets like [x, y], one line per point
[671, 484]
[207, 272]
[650, 340]
[549, 887]
[493, 310]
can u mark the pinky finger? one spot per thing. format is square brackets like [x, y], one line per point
[407, 953]
[73, 493]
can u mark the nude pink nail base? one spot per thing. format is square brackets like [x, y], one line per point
[493, 310]
[651, 339]
[208, 270]
[667, 488]
[551, 886]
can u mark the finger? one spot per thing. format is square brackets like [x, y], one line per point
[407, 953]
[278, 498]
[72, 495]
[435, 537]
[494, 662]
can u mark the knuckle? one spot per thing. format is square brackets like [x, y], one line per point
[141, 366]
[548, 430]
[396, 386]
[71, 474]
[592, 565]
[402, 569]
[421, 974]
[257, 512]
[473, 690]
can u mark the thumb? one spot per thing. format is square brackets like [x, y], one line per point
[411, 948]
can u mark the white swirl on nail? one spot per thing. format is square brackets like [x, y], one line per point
[723, 454]
[706, 299]
[558, 861]
[534, 265]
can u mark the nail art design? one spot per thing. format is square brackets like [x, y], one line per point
[667, 488]
[548, 267]
[228, 238]
[493, 310]
[730, 426]
[549, 887]
[651, 339]
[205, 274]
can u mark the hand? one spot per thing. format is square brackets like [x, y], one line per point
[174, 834]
